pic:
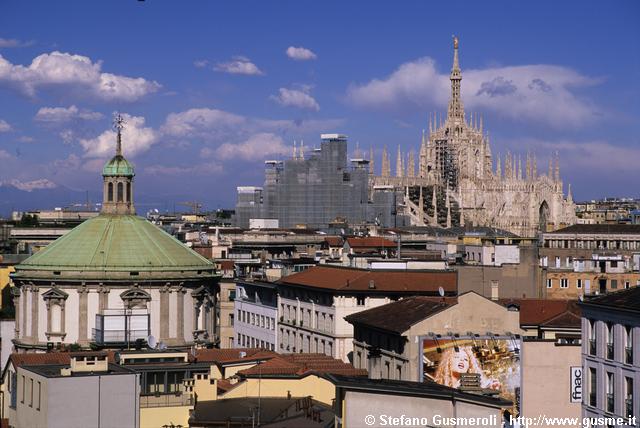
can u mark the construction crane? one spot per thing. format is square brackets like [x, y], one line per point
[194, 205]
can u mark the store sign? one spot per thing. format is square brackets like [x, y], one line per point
[576, 385]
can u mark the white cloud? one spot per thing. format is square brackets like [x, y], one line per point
[29, 186]
[4, 126]
[26, 139]
[300, 53]
[76, 72]
[5, 154]
[136, 139]
[13, 43]
[588, 155]
[200, 63]
[62, 114]
[202, 122]
[542, 93]
[256, 147]
[296, 98]
[205, 168]
[238, 65]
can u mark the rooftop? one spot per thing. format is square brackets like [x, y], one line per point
[398, 317]
[299, 365]
[55, 371]
[359, 280]
[546, 312]
[624, 300]
[115, 243]
[118, 166]
[600, 229]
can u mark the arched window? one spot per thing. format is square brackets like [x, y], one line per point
[120, 192]
[128, 192]
[110, 192]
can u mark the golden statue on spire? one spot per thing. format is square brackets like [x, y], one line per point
[455, 42]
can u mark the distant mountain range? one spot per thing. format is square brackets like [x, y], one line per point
[47, 195]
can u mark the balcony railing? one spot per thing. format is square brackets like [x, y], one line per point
[592, 347]
[610, 403]
[103, 337]
[166, 400]
[628, 355]
[609, 351]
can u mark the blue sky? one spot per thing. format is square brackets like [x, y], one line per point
[211, 89]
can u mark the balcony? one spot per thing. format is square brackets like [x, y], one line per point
[166, 400]
[609, 351]
[110, 337]
[610, 403]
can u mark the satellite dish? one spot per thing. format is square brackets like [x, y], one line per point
[441, 291]
[162, 346]
[151, 341]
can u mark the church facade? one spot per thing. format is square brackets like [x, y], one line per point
[457, 182]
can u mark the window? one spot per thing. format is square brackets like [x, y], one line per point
[564, 283]
[231, 320]
[557, 262]
[614, 283]
[110, 192]
[614, 264]
[24, 385]
[628, 346]
[578, 283]
[360, 300]
[549, 282]
[628, 397]
[174, 381]
[592, 337]
[120, 192]
[593, 387]
[128, 192]
[30, 392]
[626, 285]
[273, 323]
[610, 341]
[610, 395]
[39, 395]
[232, 295]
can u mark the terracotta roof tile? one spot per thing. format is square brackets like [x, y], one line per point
[302, 364]
[53, 358]
[539, 311]
[231, 355]
[334, 241]
[371, 242]
[349, 279]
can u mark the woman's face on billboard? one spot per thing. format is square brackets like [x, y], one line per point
[460, 362]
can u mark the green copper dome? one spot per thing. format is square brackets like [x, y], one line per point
[118, 166]
[116, 247]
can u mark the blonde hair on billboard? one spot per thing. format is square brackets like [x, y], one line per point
[444, 372]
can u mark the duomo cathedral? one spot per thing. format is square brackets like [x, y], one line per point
[457, 183]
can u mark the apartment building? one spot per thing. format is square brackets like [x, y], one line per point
[312, 304]
[588, 259]
[256, 315]
[610, 357]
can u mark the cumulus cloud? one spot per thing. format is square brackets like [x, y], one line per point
[13, 43]
[30, 186]
[136, 138]
[541, 93]
[62, 114]
[299, 98]
[238, 65]
[4, 126]
[200, 63]
[257, 146]
[5, 154]
[77, 72]
[202, 122]
[300, 53]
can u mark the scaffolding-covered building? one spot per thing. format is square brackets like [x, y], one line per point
[317, 190]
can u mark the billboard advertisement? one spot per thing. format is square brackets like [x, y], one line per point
[490, 364]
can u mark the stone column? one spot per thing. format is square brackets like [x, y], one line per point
[35, 304]
[180, 318]
[83, 315]
[103, 298]
[164, 312]
[16, 304]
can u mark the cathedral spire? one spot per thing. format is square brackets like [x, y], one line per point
[411, 164]
[556, 174]
[371, 165]
[569, 195]
[456, 109]
[117, 177]
[295, 150]
[498, 167]
[386, 167]
[399, 172]
[302, 149]
[448, 203]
